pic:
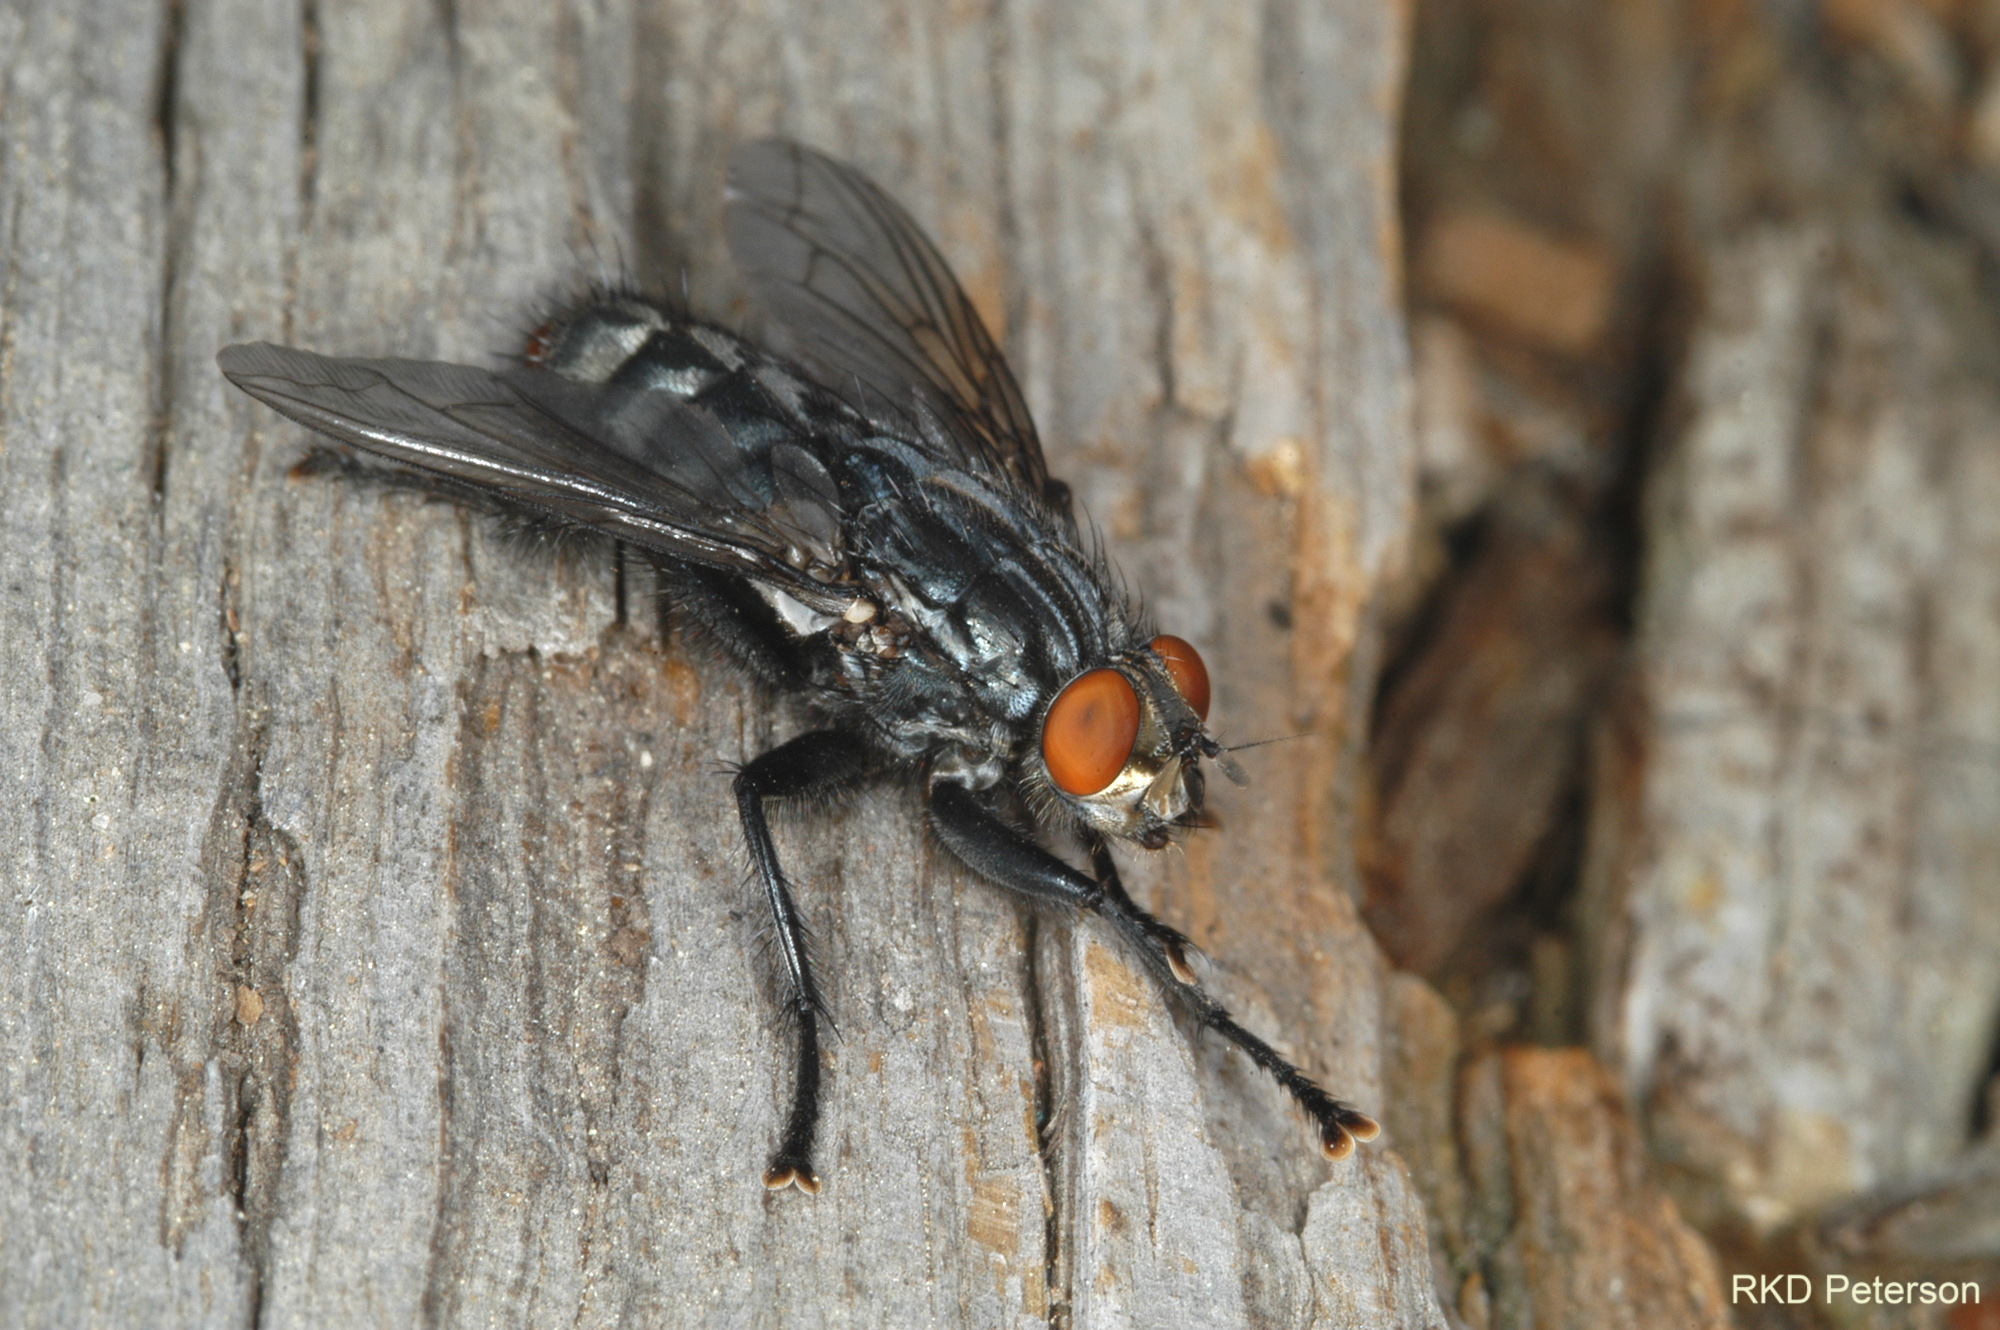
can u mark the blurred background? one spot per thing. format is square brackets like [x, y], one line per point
[1684, 775]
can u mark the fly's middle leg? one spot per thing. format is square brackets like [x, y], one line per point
[816, 764]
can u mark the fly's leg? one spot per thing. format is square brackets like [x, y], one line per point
[719, 611]
[1174, 945]
[812, 764]
[1003, 855]
[1340, 1125]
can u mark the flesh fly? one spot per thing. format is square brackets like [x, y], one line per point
[869, 525]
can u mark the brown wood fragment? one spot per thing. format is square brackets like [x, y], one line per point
[1573, 1230]
[1551, 295]
[1478, 741]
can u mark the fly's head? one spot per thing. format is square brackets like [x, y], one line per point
[1121, 746]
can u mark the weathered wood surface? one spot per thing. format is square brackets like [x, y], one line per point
[1797, 834]
[379, 946]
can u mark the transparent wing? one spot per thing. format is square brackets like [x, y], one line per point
[873, 307]
[662, 474]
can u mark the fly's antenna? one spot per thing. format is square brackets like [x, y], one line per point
[1259, 743]
[596, 252]
[1231, 768]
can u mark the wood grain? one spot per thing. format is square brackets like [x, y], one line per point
[381, 947]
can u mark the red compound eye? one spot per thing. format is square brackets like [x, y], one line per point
[1184, 667]
[1089, 731]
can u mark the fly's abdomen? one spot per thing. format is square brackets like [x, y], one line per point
[762, 459]
[635, 347]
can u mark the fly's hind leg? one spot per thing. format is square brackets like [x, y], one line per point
[1003, 855]
[721, 613]
[815, 764]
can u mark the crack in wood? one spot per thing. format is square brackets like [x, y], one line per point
[1042, 1084]
[247, 1049]
[309, 108]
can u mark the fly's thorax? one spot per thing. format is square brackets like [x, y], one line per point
[1120, 745]
[982, 605]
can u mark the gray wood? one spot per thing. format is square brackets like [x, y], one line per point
[381, 946]
[1794, 852]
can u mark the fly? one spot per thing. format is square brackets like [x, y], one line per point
[871, 527]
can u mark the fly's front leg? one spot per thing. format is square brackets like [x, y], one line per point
[812, 764]
[1174, 945]
[1003, 855]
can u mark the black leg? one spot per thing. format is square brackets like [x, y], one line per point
[812, 764]
[1001, 854]
[1173, 943]
[721, 613]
